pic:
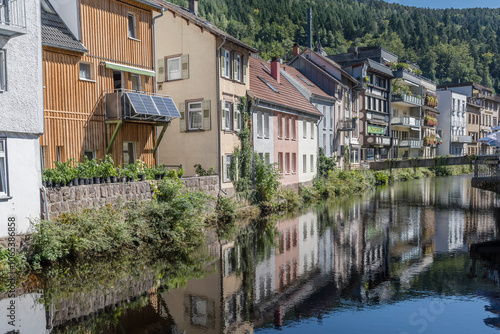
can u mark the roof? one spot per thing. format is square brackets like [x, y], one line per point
[187, 14]
[333, 63]
[305, 82]
[151, 3]
[465, 84]
[287, 95]
[55, 33]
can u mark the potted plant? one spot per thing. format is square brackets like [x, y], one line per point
[141, 167]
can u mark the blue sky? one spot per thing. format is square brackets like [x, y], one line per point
[448, 3]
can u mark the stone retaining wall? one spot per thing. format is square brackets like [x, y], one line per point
[66, 199]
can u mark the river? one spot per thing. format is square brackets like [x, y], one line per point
[395, 260]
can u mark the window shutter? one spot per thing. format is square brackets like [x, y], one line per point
[182, 121]
[161, 70]
[222, 115]
[185, 66]
[224, 169]
[235, 67]
[245, 65]
[235, 117]
[206, 105]
[223, 61]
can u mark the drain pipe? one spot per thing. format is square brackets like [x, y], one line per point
[155, 80]
[219, 149]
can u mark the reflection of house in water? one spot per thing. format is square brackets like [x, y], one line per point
[449, 231]
[308, 240]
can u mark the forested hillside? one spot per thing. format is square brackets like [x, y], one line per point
[449, 45]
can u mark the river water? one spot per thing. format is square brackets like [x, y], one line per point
[395, 260]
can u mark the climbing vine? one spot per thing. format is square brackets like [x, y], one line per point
[241, 164]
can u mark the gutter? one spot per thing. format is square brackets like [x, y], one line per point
[155, 79]
[219, 149]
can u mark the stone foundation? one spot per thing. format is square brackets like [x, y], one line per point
[68, 199]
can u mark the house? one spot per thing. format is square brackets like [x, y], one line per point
[99, 81]
[452, 123]
[330, 77]
[206, 72]
[284, 122]
[21, 107]
[367, 65]
[482, 98]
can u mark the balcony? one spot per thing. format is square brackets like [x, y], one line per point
[406, 121]
[132, 106]
[377, 141]
[411, 143]
[461, 139]
[346, 124]
[408, 99]
[12, 18]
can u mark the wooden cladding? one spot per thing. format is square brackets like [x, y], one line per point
[104, 27]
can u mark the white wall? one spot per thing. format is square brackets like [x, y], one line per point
[307, 146]
[29, 315]
[324, 127]
[263, 144]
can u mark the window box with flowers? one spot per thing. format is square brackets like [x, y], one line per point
[431, 141]
[430, 121]
[431, 101]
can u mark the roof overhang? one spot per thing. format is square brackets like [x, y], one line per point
[130, 69]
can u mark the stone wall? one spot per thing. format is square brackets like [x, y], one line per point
[67, 199]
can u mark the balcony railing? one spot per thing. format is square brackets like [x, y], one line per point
[346, 124]
[377, 140]
[411, 143]
[461, 139]
[407, 98]
[405, 120]
[12, 18]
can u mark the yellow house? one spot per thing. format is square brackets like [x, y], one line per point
[206, 71]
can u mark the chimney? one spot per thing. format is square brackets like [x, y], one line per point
[296, 49]
[275, 69]
[193, 6]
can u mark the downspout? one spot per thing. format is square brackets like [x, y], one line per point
[155, 80]
[219, 149]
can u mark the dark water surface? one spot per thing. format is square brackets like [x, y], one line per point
[395, 260]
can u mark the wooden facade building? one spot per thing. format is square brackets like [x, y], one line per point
[89, 68]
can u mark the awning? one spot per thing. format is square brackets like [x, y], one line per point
[415, 129]
[377, 122]
[130, 69]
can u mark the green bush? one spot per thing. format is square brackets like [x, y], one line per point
[382, 177]
[309, 194]
[289, 199]
[266, 180]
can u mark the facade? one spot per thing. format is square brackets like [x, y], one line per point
[285, 127]
[473, 115]
[452, 123]
[488, 103]
[367, 66]
[430, 138]
[21, 107]
[208, 87]
[99, 82]
[330, 77]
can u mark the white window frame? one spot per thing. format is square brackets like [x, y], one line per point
[260, 127]
[304, 163]
[294, 163]
[90, 76]
[287, 163]
[266, 125]
[227, 168]
[4, 175]
[228, 115]
[304, 129]
[239, 76]
[132, 31]
[280, 163]
[312, 163]
[192, 109]
[134, 151]
[312, 130]
[3, 71]
[227, 59]
[237, 113]
[174, 74]
[139, 83]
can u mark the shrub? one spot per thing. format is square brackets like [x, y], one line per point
[266, 180]
[382, 177]
[289, 199]
[309, 194]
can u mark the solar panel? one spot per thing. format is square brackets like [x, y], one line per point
[166, 106]
[143, 104]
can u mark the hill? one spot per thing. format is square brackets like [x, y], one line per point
[449, 45]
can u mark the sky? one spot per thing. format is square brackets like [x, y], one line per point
[448, 3]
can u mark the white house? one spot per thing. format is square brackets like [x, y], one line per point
[21, 107]
[452, 123]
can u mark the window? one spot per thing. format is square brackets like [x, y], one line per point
[42, 156]
[292, 120]
[287, 127]
[304, 123]
[331, 143]
[174, 69]
[227, 167]
[332, 111]
[128, 152]
[260, 129]
[59, 153]
[266, 125]
[195, 116]
[3, 167]
[280, 162]
[199, 311]
[3, 71]
[287, 163]
[89, 154]
[226, 63]
[227, 110]
[312, 163]
[312, 130]
[324, 142]
[304, 163]
[237, 73]
[294, 163]
[324, 117]
[237, 117]
[135, 80]
[268, 158]
[85, 71]
[279, 127]
[132, 29]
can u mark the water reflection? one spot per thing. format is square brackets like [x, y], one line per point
[350, 265]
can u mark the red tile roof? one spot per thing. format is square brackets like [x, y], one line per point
[287, 95]
[297, 75]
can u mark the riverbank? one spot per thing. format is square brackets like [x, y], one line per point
[175, 221]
